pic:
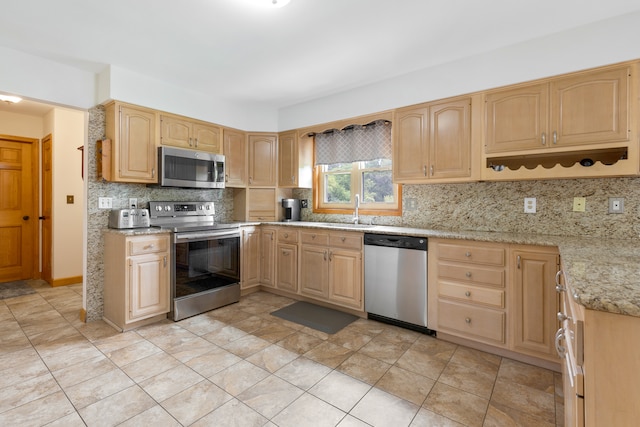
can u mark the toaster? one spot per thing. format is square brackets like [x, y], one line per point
[129, 218]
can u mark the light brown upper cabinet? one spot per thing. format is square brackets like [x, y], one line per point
[432, 142]
[579, 109]
[262, 160]
[295, 157]
[131, 156]
[184, 133]
[235, 152]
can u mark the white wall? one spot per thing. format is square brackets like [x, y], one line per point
[68, 219]
[43, 80]
[602, 43]
[21, 125]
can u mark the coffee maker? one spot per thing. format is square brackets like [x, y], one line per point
[291, 209]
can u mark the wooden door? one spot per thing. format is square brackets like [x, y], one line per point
[175, 132]
[517, 119]
[535, 301]
[287, 272]
[268, 258]
[410, 145]
[250, 272]
[288, 160]
[450, 139]
[137, 146]
[47, 218]
[262, 160]
[591, 107]
[148, 286]
[314, 271]
[207, 138]
[345, 278]
[235, 152]
[18, 217]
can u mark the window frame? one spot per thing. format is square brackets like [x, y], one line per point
[377, 209]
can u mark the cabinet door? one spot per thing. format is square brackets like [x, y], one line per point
[535, 302]
[517, 119]
[207, 138]
[345, 278]
[175, 132]
[410, 149]
[591, 108]
[287, 275]
[314, 271]
[450, 139]
[268, 257]
[288, 160]
[136, 151]
[262, 160]
[235, 152]
[251, 257]
[148, 286]
[262, 204]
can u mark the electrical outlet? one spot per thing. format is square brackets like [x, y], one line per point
[579, 204]
[105, 203]
[616, 205]
[529, 205]
[411, 204]
[133, 203]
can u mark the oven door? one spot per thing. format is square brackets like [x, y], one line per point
[205, 272]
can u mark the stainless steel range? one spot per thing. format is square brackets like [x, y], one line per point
[205, 269]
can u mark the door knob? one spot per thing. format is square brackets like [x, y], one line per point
[26, 217]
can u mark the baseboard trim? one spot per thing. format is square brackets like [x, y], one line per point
[66, 281]
[83, 315]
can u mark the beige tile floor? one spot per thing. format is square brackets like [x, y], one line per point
[240, 366]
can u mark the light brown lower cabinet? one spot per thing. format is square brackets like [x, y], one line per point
[495, 294]
[136, 279]
[268, 257]
[250, 261]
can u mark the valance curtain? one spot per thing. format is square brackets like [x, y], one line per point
[354, 144]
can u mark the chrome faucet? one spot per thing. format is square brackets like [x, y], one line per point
[355, 218]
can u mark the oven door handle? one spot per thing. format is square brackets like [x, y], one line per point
[185, 237]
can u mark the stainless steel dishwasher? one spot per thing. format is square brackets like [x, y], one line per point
[395, 279]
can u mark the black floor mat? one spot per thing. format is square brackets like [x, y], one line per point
[314, 316]
[15, 289]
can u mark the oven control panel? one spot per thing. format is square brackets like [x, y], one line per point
[176, 209]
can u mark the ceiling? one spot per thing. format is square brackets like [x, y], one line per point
[236, 51]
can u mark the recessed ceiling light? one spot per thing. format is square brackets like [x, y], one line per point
[10, 99]
[279, 3]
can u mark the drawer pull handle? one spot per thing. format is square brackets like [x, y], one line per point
[544, 138]
[467, 254]
[313, 236]
[468, 274]
[467, 319]
[518, 259]
[559, 287]
[344, 238]
[286, 235]
[468, 294]
[149, 246]
[164, 261]
[285, 253]
[330, 256]
[325, 255]
[560, 349]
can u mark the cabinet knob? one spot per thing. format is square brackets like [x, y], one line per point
[468, 294]
[555, 137]
[313, 236]
[343, 238]
[286, 235]
[467, 254]
[468, 274]
[561, 316]
[467, 319]
[543, 138]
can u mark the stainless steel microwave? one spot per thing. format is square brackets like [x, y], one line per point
[190, 169]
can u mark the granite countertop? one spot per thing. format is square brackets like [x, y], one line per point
[602, 274]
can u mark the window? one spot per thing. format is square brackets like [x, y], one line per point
[355, 160]
[338, 183]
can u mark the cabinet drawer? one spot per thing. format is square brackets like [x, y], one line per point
[472, 321]
[471, 273]
[346, 240]
[148, 245]
[471, 253]
[288, 236]
[315, 237]
[474, 294]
